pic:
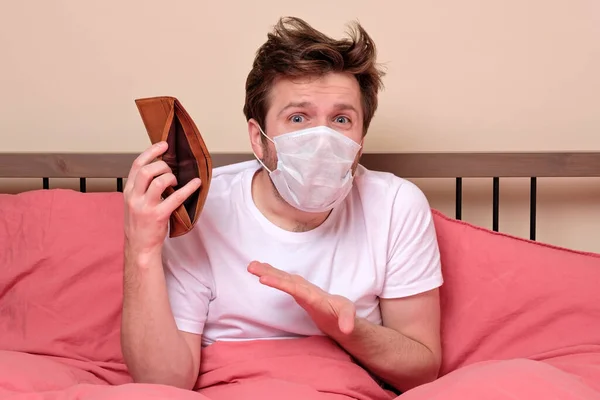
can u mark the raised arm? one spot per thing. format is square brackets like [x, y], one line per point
[154, 349]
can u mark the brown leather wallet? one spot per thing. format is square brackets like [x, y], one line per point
[165, 119]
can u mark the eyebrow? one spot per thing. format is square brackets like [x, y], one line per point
[345, 106]
[307, 104]
[296, 104]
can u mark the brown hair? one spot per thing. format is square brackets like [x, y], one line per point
[294, 49]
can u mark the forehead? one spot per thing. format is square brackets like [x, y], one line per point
[323, 92]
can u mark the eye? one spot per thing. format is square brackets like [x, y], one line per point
[297, 118]
[342, 120]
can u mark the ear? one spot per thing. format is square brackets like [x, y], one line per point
[255, 138]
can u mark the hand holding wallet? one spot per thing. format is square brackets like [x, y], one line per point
[166, 120]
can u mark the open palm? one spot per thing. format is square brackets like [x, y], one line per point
[331, 313]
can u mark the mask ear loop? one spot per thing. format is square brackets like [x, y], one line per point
[258, 159]
[357, 158]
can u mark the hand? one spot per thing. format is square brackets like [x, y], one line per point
[146, 213]
[333, 314]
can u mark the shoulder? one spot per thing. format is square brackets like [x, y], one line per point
[226, 191]
[232, 170]
[396, 209]
[400, 215]
[227, 177]
[385, 191]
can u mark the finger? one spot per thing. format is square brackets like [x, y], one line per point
[145, 158]
[261, 269]
[284, 284]
[275, 278]
[176, 199]
[296, 286]
[158, 186]
[346, 319]
[147, 174]
[304, 294]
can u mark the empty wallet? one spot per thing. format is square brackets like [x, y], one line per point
[166, 120]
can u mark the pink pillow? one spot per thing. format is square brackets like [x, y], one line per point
[517, 379]
[61, 254]
[506, 297]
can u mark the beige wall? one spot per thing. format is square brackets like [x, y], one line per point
[462, 75]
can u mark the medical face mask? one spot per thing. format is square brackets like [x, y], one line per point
[314, 167]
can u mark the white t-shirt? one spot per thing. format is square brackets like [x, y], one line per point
[379, 243]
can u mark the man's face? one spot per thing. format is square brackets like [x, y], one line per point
[333, 100]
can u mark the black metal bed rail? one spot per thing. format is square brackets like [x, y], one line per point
[458, 199]
[496, 204]
[408, 165]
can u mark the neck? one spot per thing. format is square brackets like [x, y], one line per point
[278, 211]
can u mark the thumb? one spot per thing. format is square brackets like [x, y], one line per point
[346, 319]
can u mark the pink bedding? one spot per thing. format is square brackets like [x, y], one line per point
[308, 369]
[312, 368]
[515, 379]
[521, 320]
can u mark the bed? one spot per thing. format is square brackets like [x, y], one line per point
[520, 318]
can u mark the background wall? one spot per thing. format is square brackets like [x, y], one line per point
[495, 75]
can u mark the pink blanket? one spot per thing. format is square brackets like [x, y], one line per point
[309, 369]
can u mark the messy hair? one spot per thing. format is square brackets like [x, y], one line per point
[294, 49]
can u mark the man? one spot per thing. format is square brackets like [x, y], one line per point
[302, 241]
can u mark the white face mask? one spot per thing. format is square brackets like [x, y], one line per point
[314, 167]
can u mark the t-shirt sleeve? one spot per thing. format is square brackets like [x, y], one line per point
[189, 281]
[413, 258]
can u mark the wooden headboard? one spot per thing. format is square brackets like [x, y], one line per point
[495, 166]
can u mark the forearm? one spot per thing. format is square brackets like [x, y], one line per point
[153, 348]
[400, 361]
